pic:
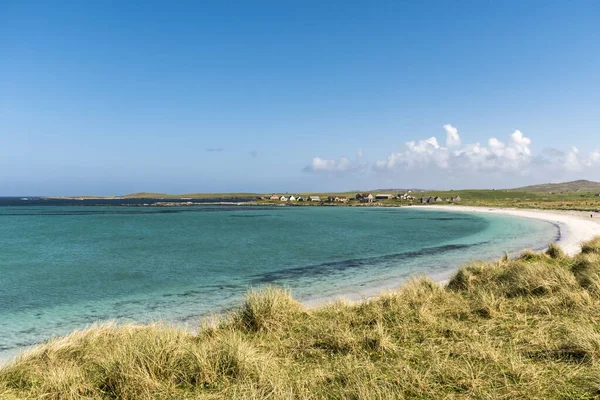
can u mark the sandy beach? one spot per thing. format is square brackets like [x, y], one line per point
[575, 226]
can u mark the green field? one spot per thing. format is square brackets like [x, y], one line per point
[576, 195]
[584, 201]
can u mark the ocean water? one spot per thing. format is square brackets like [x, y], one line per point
[64, 267]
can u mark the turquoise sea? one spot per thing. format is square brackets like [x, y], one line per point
[64, 267]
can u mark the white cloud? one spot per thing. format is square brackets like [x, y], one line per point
[520, 142]
[483, 164]
[496, 156]
[452, 136]
[572, 162]
[575, 161]
[320, 165]
[419, 154]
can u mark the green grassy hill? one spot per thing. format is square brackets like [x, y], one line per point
[581, 186]
[511, 329]
[577, 195]
[564, 187]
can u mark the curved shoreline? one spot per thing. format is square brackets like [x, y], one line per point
[574, 227]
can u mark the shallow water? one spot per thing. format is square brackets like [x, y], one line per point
[65, 267]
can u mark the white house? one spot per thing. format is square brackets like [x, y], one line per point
[365, 198]
[283, 198]
[291, 198]
[314, 198]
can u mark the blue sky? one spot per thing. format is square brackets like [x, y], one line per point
[112, 97]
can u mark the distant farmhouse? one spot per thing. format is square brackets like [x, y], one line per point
[364, 197]
[436, 199]
[284, 198]
[337, 199]
[314, 198]
[383, 196]
[405, 196]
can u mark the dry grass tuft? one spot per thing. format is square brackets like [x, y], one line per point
[586, 268]
[530, 255]
[591, 247]
[269, 309]
[523, 277]
[555, 251]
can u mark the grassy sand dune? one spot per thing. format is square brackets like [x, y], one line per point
[522, 328]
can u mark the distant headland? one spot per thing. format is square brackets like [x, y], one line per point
[580, 195]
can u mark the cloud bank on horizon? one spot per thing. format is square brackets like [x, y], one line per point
[492, 162]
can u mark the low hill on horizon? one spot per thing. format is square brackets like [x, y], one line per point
[147, 195]
[581, 185]
[561, 187]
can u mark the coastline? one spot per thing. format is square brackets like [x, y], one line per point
[575, 227]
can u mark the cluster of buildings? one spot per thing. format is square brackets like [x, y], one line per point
[436, 199]
[405, 196]
[364, 197]
[361, 197]
[368, 197]
[337, 199]
[291, 198]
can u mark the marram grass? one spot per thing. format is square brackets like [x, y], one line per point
[527, 328]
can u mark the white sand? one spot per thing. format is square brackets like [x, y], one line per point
[575, 226]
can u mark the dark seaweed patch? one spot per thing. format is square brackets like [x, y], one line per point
[331, 267]
[250, 216]
[442, 219]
